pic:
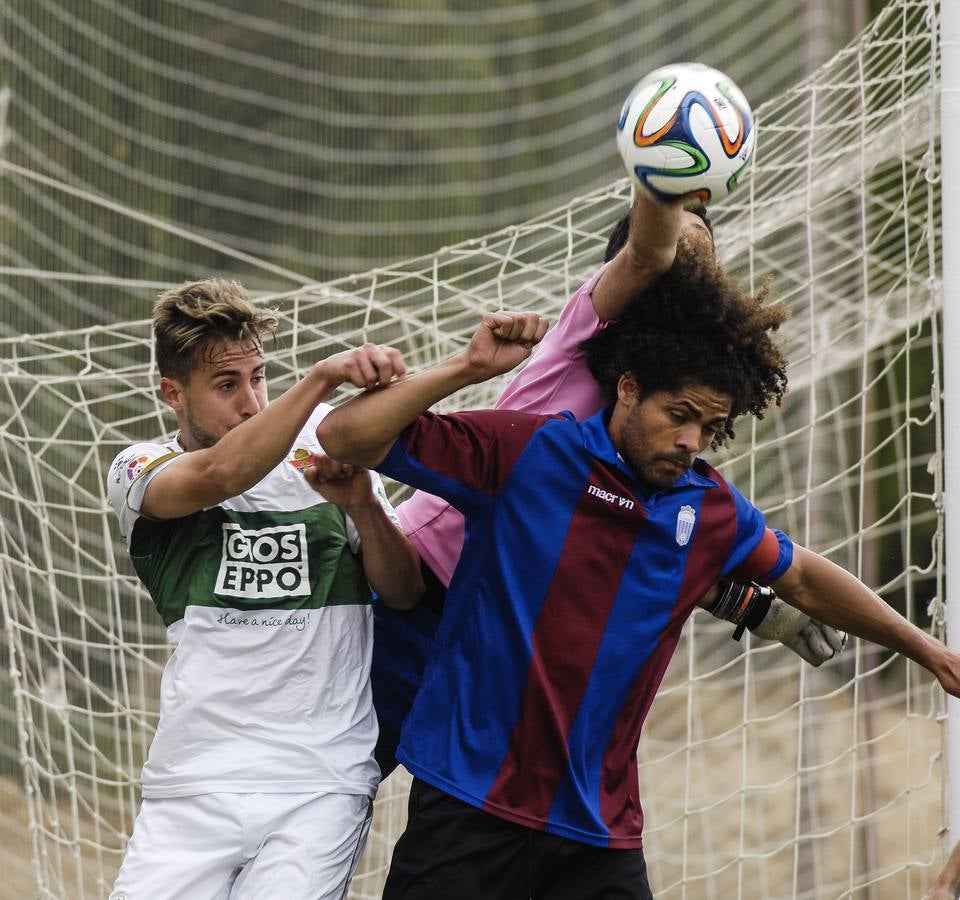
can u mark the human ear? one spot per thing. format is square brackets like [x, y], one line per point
[172, 393]
[627, 389]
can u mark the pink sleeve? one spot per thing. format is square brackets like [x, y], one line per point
[556, 378]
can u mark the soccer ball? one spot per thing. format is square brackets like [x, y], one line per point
[686, 129]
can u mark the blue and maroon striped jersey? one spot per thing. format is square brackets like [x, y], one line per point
[562, 614]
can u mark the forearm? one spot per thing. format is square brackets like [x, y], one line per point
[363, 429]
[832, 595]
[390, 562]
[247, 453]
[241, 458]
[649, 252]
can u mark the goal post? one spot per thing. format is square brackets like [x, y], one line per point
[950, 204]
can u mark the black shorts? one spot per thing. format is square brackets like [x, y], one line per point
[453, 851]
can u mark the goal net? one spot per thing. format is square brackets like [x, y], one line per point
[329, 136]
[760, 776]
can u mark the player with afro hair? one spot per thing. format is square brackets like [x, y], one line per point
[695, 325]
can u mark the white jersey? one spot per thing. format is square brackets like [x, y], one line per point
[268, 610]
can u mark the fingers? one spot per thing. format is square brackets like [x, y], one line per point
[519, 328]
[836, 639]
[387, 362]
[369, 365]
[822, 642]
[644, 199]
[818, 650]
[323, 468]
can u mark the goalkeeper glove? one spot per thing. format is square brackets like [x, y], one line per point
[768, 617]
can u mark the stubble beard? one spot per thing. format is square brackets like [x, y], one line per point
[651, 479]
[201, 437]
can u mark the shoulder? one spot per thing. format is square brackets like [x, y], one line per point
[727, 506]
[476, 449]
[130, 471]
[130, 463]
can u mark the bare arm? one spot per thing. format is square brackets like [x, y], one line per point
[649, 252]
[390, 562]
[247, 453]
[947, 885]
[830, 594]
[362, 430]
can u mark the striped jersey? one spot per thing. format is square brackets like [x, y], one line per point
[268, 609]
[562, 614]
[555, 378]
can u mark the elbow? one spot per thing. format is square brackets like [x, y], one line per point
[347, 444]
[334, 437]
[329, 436]
[407, 592]
[402, 603]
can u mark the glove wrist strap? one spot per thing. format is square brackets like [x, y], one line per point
[745, 605]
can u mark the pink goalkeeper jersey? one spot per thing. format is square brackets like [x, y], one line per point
[556, 378]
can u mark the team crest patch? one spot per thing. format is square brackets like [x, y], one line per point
[135, 466]
[301, 458]
[686, 519]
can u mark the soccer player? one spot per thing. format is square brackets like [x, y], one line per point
[260, 777]
[587, 546]
[641, 248]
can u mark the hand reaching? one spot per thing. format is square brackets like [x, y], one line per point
[365, 367]
[751, 606]
[503, 341]
[340, 483]
[809, 639]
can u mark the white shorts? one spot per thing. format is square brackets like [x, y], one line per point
[244, 847]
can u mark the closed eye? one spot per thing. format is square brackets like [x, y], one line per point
[713, 429]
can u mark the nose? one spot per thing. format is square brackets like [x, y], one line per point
[688, 439]
[248, 402]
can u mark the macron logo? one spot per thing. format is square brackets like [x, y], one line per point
[621, 502]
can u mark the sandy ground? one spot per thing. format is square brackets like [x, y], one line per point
[723, 801]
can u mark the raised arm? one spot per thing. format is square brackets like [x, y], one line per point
[651, 246]
[362, 430]
[245, 454]
[832, 595]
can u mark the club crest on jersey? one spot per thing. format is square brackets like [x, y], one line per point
[135, 466]
[301, 458]
[686, 519]
[264, 563]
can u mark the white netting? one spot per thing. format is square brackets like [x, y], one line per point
[760, 777]
[329, 137]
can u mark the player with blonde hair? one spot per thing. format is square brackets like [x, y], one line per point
[260, 777]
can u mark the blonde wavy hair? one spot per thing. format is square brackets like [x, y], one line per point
[191, 320]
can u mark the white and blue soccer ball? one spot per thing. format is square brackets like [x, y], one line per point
[686, 129]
